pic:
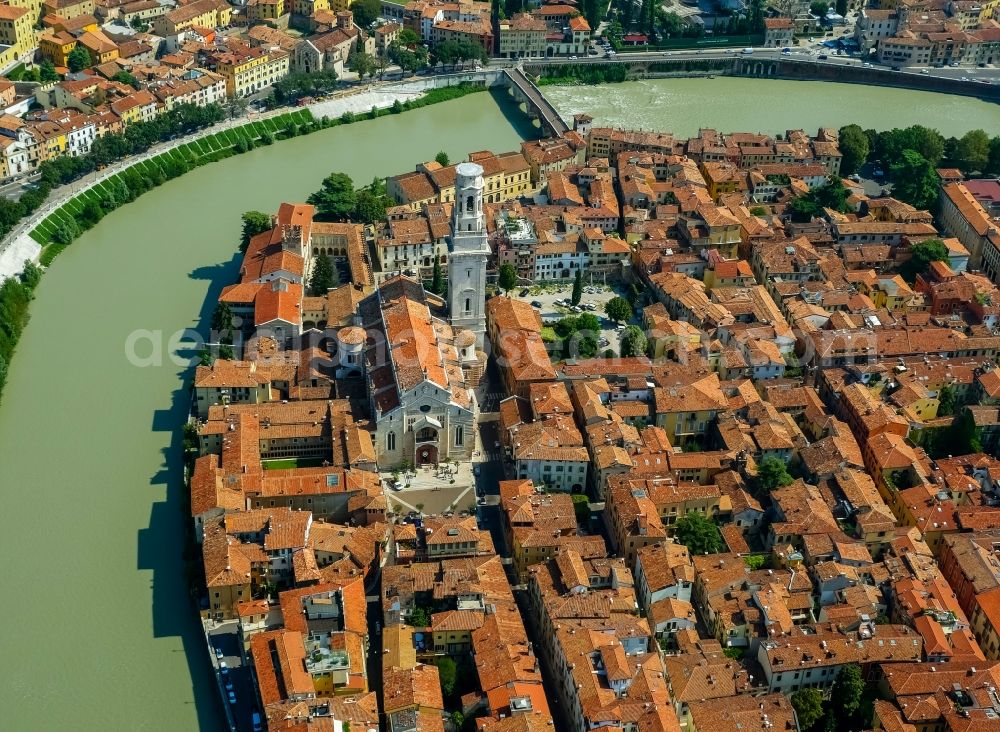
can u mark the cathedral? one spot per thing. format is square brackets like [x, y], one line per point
[421, 369]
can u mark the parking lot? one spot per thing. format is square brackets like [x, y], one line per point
[596, 295]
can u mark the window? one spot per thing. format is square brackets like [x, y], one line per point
[459, 435]
[390, 441]
[468, 304]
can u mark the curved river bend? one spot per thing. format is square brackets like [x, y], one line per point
[97, 630]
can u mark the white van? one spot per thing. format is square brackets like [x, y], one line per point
[747, 51]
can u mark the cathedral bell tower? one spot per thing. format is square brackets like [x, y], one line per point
[468, 253]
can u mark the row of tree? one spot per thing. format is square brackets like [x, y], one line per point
[15, 296]
[911, 155]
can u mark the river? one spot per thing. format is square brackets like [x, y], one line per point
[731, 104]
[98, 633]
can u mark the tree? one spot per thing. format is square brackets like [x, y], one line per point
[802, 209]
[819, 8]
[31, 275]
[633, 342]
[808, 704]
[448, 672]
[365, 12]
[47, 72]
[361, 63]
[369, 206]
[254, 223]
[842, 8]
[222, 322]
[993, 163]
[772, 473]
[581, 508]
[914, 180]
[854, 148]
[963, 436]
[973, 151]
[618, 309]
[437, 279]
[507, 278]
[126, 78]
[78, 59]
[419, 618]
[946, 399]
[336, 199]
[921, 255]
[577, 293]
[699, 534]
[845, 697]
[226, 352]
[321, 280]
[407, 52]
[442, 159]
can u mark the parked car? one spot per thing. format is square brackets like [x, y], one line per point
[476, 470]
[232, 697]
[218, 653]
[256, 721]
[523, 293]
[535, 304]
[229, 684]
[822, 57]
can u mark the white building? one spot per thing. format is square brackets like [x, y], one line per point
[469, 250]
[423, 409]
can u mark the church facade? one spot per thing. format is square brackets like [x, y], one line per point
[417, 366]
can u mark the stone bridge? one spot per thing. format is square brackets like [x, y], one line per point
[536, 105]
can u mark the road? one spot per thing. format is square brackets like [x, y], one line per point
[225, 638]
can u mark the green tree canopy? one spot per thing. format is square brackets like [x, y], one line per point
[993, 161]
[890, 144]
[321, 280]
[78, 59]
[507, 277]
[254, 222]
[47, 72]
[973, 151]
[370, 206]
[361, 63]
[633, 342]
[451, 52]
[407, 52]
[437, 280]
[808, 705]
[365, 12]
[921, 255]
[845, 697]
[618, 309]
[946, 399]
[442, 159]
[222, 321]
[772, 473]
[336, 200]
[914, 180]
[699, 534]
[448, 672]
[126, 78]
[419, 617]
[577, 293]
[854, 148]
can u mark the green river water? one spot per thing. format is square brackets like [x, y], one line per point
[98, 633]
[731, 104]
